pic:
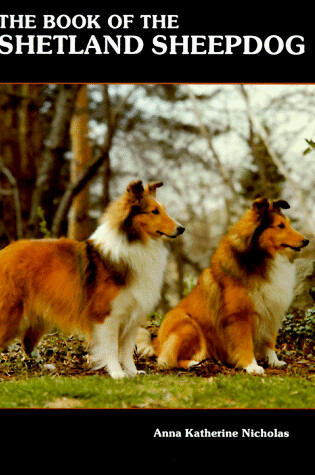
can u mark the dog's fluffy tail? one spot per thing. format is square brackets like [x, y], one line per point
[144, 343]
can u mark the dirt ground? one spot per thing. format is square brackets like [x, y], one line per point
[61, 355]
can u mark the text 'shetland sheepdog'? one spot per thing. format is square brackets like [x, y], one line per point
[103, 288]
[234, 312]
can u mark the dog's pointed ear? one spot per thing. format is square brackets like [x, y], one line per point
[260, 206]
[135, 190]
[277, 205]
[151, 188]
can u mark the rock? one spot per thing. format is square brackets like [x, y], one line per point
[304, 293]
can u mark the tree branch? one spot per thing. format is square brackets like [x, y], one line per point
[54, 145]
[74, 188]
[205, 132]
[256, 125]
[16, 199]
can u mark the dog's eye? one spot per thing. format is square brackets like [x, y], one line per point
[281, 225]
[155, 211]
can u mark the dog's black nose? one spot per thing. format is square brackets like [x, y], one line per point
[305, 242]
[180, 229]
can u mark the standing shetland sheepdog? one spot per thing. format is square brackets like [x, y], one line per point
[234, 312]
[103, 287]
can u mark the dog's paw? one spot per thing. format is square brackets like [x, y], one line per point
[132, 373]
[118, 374]
[278, 364]
[140, 373]
[192, 363]
[254, 368]
[114, 370]
[273, 359]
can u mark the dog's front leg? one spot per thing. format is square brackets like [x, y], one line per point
[104, 347]
[126, 351]
[270, 353]
[238, 336]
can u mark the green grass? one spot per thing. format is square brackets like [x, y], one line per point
[159, 391]
[24, 382]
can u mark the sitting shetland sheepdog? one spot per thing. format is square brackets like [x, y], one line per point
[234, 312]
[103, 287]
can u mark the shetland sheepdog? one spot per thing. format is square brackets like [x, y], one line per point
[234, 312]
[102, 288]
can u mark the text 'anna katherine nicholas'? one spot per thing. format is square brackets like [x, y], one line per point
[188, 432]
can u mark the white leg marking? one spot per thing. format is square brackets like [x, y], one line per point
[254, 368]
[104, 347]
[126, 350]
[192, 363]
[273, 359]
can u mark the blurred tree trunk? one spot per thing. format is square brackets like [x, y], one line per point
[79, 223]
[106, 172]
[20, 148]
[223, 172]
[56, 144]
[94, 165]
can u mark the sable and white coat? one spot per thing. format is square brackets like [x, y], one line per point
[234, 312]
[102, 288]
[113, 341]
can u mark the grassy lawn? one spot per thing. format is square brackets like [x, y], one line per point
[58, 376]
[159, 391]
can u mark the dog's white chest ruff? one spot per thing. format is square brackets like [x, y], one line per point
[273, 298]
[113, 341]
[147, 263]
[140, 297]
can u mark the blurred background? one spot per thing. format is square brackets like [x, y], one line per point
[66, 150]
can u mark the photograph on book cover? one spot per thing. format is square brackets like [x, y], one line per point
[157, 223]
[216, 266]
